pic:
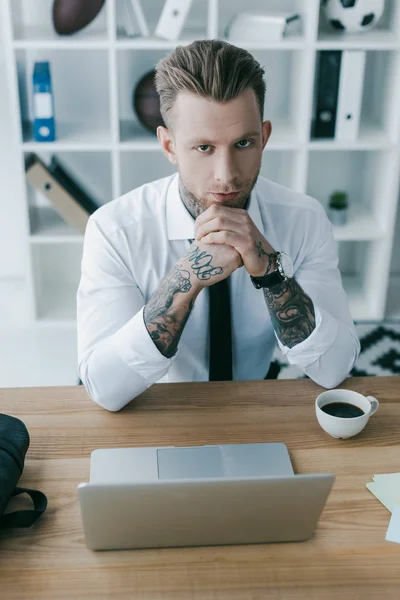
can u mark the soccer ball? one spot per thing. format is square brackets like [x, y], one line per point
[353, 16]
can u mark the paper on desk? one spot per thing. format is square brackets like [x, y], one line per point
[394, 477]
[393, 532]
[386, 488]
[382, 495]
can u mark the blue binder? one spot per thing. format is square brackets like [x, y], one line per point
[44, 129]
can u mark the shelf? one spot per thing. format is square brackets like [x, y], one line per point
[194, 27]
[48, 227]
[156, 43]
[361, 226]
[33, 27]
[81, 98]
[295, 42]
[365, 176]
[103, 145]
[135, 137]
[152, 42]
[294, 38]
[384, 35]
[70, 136]
[92, 173]
[376, 39]
[371, 137]
[379, 112]
[41, 37]
[283, 70]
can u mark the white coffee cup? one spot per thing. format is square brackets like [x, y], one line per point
[340, 427]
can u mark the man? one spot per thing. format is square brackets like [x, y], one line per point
[144, 313]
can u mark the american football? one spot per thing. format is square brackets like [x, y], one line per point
[69, 16]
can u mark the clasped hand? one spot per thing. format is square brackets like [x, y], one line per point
[234, 227]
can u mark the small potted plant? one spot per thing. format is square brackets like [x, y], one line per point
[338, 207]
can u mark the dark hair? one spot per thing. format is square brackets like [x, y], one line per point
[211, 68]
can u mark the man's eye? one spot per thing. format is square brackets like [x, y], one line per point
[203, 148]
[244, 142]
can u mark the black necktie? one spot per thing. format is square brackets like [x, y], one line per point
[220, 332]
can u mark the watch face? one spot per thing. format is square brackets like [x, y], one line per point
[287, 265]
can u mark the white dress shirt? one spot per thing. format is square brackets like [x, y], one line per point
[131, 244]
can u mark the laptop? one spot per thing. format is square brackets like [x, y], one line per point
[171, 496]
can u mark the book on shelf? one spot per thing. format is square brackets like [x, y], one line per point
[339, 94]
[172, 19]
[350, 94]
[44, 128]
[69, 199]
[327, 91]
[135, 23]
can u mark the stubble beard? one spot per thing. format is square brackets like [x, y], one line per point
[196, 205]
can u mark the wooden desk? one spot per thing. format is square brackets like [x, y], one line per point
[348, 557]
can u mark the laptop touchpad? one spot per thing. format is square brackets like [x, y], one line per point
[189, 463]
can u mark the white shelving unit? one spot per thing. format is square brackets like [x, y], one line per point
[99, 138]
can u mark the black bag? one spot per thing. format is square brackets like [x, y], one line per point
[14, 443]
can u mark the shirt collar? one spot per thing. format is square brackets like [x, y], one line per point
[180, 223]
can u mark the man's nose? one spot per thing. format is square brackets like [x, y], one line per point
[225, 169]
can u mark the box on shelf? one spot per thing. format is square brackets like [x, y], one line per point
[262, 27]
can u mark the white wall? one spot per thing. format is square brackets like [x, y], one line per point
[12, 215]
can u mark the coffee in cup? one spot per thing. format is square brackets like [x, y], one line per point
[344, 413]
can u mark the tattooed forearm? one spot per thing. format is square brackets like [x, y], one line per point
[166, 319]
[200, 262]
[271, 257]
[292, 312]
[166, 313]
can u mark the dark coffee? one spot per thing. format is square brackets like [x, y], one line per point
[342, 410]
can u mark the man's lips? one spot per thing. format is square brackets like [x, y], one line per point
[225, 197]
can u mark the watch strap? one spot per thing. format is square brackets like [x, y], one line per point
[268, 281]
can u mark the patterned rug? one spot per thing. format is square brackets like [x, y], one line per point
[380, 353]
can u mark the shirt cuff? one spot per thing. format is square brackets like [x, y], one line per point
[313, 347]
[135, 347]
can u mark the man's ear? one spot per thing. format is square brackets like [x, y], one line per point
[167, 143]
[266, 132]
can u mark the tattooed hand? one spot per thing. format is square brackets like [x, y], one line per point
[209, 263]
[222, 225]
[166, 313]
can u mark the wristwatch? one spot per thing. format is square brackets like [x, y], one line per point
[283, 272]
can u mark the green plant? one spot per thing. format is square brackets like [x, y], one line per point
[338, 200]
